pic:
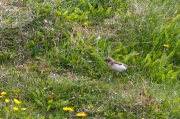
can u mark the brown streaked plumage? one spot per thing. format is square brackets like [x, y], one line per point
[116, 66]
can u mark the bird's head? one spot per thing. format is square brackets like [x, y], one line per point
[108, 60]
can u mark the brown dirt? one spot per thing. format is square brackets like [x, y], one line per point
[3, 4]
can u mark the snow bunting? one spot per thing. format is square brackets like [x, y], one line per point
[116, 66]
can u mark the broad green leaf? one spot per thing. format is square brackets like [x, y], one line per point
[48, 108]
[39, 103]
[66, 12]
[163, 60]
[171, 54]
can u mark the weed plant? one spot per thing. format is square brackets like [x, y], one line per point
[52, 59]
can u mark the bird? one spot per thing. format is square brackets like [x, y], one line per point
[116, 66]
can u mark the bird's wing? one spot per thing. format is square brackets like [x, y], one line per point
[119, 63]
[115, 62]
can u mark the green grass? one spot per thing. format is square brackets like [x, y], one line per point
[50, 59]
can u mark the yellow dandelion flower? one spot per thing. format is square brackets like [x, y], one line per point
[68, 109]
[166, 46]
[3, 93]
[81, 114]
[17, 101]
[7, 100]
[23, 109]
[85, 24]
[15, 108]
